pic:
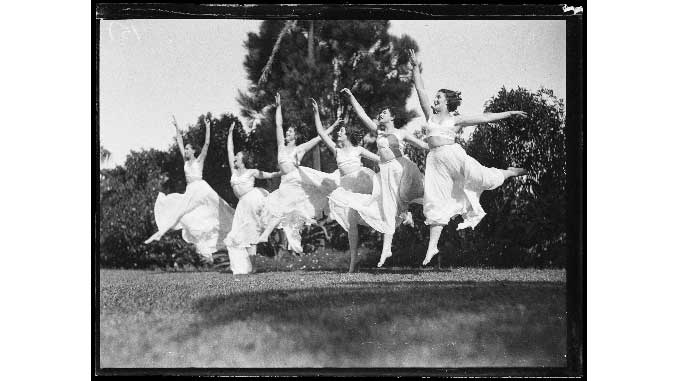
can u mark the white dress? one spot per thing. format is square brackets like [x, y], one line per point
[247, 221]
[398, 183]
[204, 218]
[354, 178]
[455, 181]
[300, 199]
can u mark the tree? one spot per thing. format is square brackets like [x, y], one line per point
[526, 219]
[315, 59]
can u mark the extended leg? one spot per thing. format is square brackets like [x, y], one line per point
[435, 231]
[353, 245]
[264, 236]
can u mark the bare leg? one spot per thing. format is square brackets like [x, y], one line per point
[264, 236]
[435, 231]
[353, 245]
[386, 249]
[513, 171]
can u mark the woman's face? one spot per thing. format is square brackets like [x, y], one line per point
[189, 151]
[440, 102]
[238, 161]
[385, 116]
[290, 135]
[341, 135]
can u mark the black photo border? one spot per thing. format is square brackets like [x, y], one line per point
[576, 151]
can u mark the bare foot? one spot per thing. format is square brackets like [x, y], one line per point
[154, 237]
[384, 257]
[429, 256]
[262, 238]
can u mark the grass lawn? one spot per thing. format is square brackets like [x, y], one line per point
[377, 318]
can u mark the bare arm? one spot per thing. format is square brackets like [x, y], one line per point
[206, 146]
[419, 85]
[180, 140]
[368, 155]
[408, 136]
[229, 148]
[321, 131]
[303, 148]
[362, 115]
[279, 121]
[464, 121]
[265, 175]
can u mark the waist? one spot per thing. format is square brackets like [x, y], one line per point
[347, 169]
[192, 179]
[435, 141]
[241, 190]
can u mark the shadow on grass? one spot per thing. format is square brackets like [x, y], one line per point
[518, 323]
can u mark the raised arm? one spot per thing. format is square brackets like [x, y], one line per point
[487, 117]
[180, 140]
[362, 115]
[229, 148]
[408, 136]
[321, 131]
[419, 85]
[206, 146]
[279, 121]
[368, 155]
[303, 148]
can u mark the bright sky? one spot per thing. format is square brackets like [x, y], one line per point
[150, 69]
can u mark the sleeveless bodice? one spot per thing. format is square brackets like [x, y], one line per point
[389, 142]
[193, 171]
[242, 184]
[348, 160]
[445, 130]
[287, 156]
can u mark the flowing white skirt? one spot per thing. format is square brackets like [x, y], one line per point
[398, 183]
[247, 221]
[204, 218]
[454, 183]
[300, 200]
[360, 182]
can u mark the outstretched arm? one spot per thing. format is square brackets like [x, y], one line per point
[180, 140]
[362, 115]
[229, 148]
[488, 117]
[206, 146]
[321, 131]
[278, 121]
[368, 155]
[419, 85]
[265, 175]
[416, 142]
[303, 148]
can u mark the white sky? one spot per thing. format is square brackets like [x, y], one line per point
[150, 69]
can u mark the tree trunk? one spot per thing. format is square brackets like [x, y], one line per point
[311, 62]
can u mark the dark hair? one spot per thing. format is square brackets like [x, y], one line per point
[196, 148]
[453, 98]
[247, 159]
[354, 134]
[398, 119]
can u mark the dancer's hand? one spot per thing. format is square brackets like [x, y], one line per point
[314, 104]
[413, 57]
[346, 92]
[519, 114]
[277, 99]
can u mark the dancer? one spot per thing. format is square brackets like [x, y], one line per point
[400, 181]
[454, 180]
[302, 195]
[247, 223]
[353, 177]
[204, 217]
